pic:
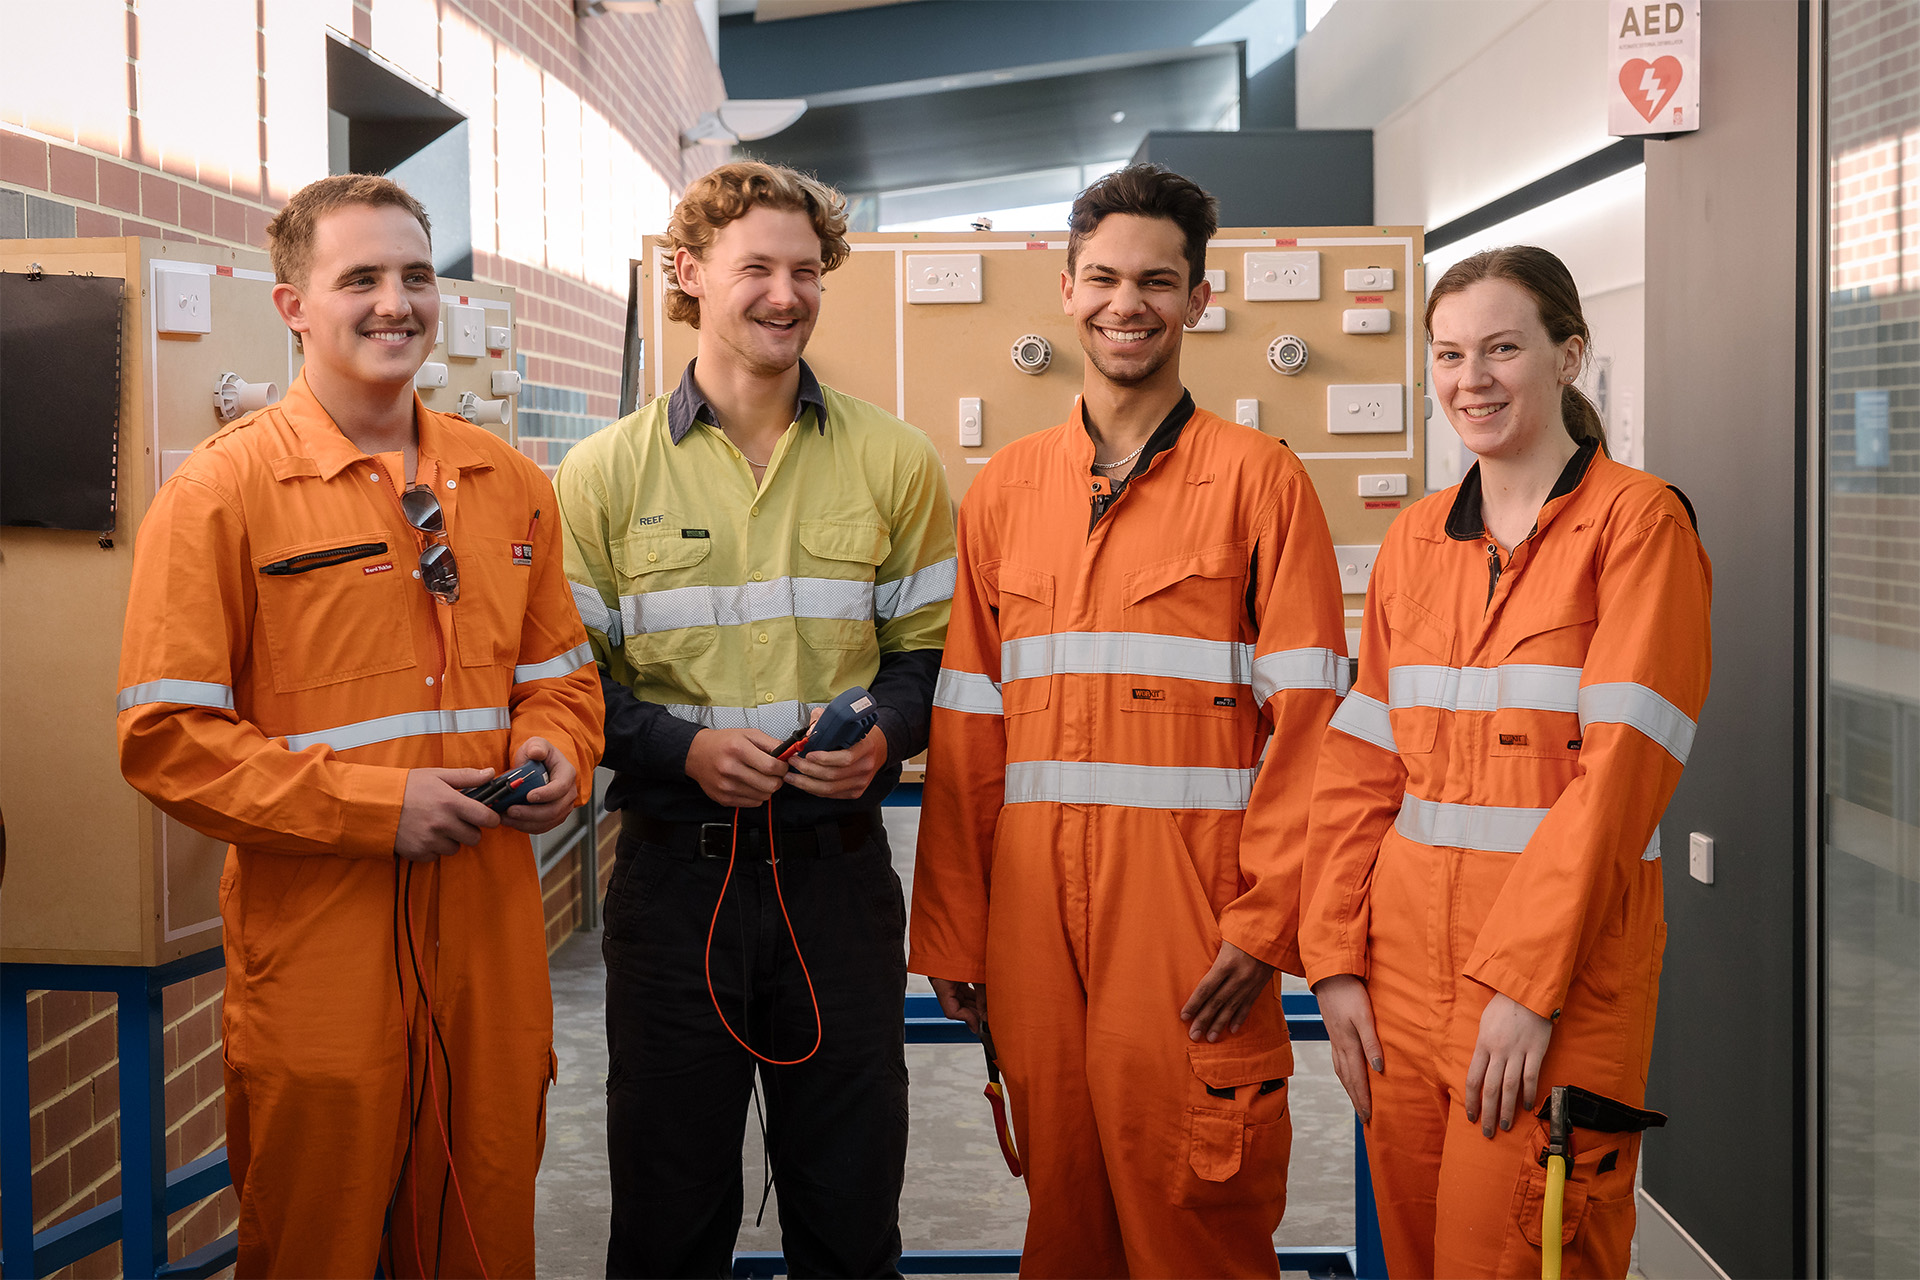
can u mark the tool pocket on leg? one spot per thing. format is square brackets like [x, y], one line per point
[1599, 1194]
[1238, 1133]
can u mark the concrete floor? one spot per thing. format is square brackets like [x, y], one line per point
[958, 1194]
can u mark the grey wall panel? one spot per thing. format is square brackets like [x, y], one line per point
[1261, 177]
[1724, 235]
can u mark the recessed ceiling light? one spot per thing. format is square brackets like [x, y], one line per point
[1117, 117]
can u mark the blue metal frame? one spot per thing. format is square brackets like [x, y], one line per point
[149, 1191]
[1365, 1260]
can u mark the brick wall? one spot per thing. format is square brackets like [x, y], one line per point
[194, 120]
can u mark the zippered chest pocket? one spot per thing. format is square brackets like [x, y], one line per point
[333, 609]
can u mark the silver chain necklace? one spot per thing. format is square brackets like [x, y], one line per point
[1115, 466]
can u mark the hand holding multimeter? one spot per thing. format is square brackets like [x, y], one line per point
[844, 721]
[510, 788]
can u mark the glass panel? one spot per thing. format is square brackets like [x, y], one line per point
[1871, 857]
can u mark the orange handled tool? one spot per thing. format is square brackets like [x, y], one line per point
[997, 1099]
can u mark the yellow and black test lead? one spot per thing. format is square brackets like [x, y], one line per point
[996, 1098]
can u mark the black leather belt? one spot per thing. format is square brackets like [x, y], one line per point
[716, 839]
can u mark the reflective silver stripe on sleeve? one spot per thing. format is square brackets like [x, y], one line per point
[1296, 669]
[594, 613]
[1133, 786]
[1366, 719]
[1640, 708]
[1485, 827]
[967, 691]
[776, 718]
[565, 665]
[843, 598]
[1515, 685]
[917, 590]
[410, 724]
[1131, 653]
[188, 693]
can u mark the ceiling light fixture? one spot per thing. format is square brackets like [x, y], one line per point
[743, 120]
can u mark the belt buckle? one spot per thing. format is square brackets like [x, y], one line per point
[716, 839]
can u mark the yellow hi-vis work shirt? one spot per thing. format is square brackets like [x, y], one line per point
[728, 604]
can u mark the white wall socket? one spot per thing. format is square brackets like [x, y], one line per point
[185, 304]
[1356, 567]
[1369, 279]
[432, 374]
[1283, 277]
[1375, 408]
[1216, 277]
[971, 436]
[1700, 857]
[499, 337]
[1247, 413]
[1366, 320]
[1212, 320]
[943, 277]
[1385, 486]
[466, 332]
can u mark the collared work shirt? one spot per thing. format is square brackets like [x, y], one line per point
[723, 603]
[284, 666]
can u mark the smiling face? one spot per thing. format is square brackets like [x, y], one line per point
[370, 304]
[759, 288]
[1129, 298]
[1496, 371]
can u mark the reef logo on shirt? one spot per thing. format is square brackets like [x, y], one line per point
[523, 553]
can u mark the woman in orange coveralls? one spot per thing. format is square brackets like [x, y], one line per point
[1483, 915]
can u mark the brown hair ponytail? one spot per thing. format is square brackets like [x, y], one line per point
[1551, 284]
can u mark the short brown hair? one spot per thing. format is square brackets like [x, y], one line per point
[721, 195]
[1148, 191]
[290, 234]
[1545, 277]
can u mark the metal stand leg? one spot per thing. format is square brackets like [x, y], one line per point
[16, 1150]
[143, 1111]
[1370, 1257]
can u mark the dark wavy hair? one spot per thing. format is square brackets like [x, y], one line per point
[1148, 191]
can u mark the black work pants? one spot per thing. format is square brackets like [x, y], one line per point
[678, 1083]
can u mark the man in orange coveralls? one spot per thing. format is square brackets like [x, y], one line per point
[311, 670]
[1147, 599]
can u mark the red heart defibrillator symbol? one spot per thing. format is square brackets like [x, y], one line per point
[1649, 85]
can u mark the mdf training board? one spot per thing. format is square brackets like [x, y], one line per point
[95, 874]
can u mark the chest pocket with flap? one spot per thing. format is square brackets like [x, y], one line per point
[1026, 630]
[1419, 660]
[833, 582]
[664, 590]
[336, 608]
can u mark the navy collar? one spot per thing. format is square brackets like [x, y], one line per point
[1464, 520]
[687, 405]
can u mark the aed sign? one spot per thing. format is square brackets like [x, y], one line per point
[1653, 67]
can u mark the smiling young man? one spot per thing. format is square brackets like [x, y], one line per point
[743, 550]
[1147, 601]
[334, 625]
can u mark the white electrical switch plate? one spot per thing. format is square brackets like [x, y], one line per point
[499, 337]
[1356, 566]
[970, 433]
[432, 374]
[1389, 486]
[185, 303]
[1700, 857]
[1366, 320]
[1283, 277]
[1217, 278]
[1369, 279]
[506, 382]
[440, 334]
[170, 460]
[943, 277]
[1366, 409]
[466, 332]
[1247, 413]
[1212, 320]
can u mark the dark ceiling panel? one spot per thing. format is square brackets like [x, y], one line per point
[990, 131]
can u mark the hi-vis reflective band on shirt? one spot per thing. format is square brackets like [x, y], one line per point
[967, 691]
[594, 614]
[1137, 653]
[1518, 685]
[842, 598]
[409, 724]
[1133, 786]
[189, 693]
[917, 590]
[776, 718]
[564, 665]
[1486, 828]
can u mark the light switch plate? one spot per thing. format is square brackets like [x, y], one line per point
[466, 332]
[499, 337]
[1700, 857]
[1356, 567]
[432, 374]
[971, 434]
[1283, 277]
[1393, 485]
[1366, 320]
[1376, 408]
[1212, 320]
[185, 301]
[943, 277]
[1247, 413]
[1217, 278]
[1369, 279]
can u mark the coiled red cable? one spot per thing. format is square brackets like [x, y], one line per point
[773, 860]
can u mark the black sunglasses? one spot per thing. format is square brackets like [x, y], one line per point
[438, 570]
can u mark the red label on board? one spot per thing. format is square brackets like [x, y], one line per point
[1036, 244]
[1368, 297]
[1288, 240]
[1388, 505]
[223, 271]
[463, 300]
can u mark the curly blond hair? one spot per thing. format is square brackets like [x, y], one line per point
[290, 234]
[721, 195]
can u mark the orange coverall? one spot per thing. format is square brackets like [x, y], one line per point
[282, 670]
[1103, 704]
[1484, 819]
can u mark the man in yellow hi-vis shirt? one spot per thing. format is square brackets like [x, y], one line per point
[742, 551]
